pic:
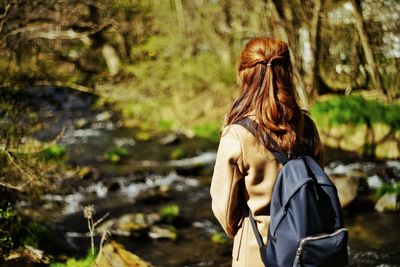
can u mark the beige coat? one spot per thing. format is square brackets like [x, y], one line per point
[244, 176]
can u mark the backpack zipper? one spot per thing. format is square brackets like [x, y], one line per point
[313, 237]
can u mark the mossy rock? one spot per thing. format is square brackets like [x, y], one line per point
[115, 255]
[388, 202]
[130, 224]
[115, 154]
[347, 188]
[170, 213]
[177, 153]
[163, 232]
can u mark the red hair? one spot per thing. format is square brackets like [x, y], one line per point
[267, 91]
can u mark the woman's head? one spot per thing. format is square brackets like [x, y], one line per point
[267, 90]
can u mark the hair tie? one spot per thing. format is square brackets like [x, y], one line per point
[265, 63]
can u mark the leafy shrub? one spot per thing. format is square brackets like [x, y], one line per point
[388, 188]
[36, 233]
[356, 110]
[16, 231]
[9, 223]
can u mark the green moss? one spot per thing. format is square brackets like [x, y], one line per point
[53, 152]
[170, 213]
[219, 238]
[356, 110]
[210, 131]
[143, 135]
[115, 154]
[88, 261]
[177, 153]
[388, 188]
[165, 124]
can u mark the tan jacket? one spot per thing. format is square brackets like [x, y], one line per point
[244, 176]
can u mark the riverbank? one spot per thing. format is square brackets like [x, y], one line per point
[127, 171]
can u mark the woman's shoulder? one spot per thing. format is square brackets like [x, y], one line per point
[235, 131]
[230, 144]
[237, 137]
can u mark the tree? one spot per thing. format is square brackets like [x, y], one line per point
[366, 44]
[315, 43]
[71, 32]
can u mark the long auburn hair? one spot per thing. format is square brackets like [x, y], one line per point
[267, 91]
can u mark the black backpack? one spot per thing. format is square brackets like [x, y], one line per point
[306, 227]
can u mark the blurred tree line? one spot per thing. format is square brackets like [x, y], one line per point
[169, 45]
[174, 60]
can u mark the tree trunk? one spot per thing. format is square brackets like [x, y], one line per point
[366, 44]
[281, 30]
[110, 55]
[179, 15]
[112, 59]
[226, 7]
[315, 42]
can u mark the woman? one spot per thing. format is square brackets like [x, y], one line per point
[245, 172]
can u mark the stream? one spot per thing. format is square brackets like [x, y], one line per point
[148, 179]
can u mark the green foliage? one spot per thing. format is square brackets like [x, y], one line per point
[210, 131]
[388, 188]
[9, 225]
[88, 261]
[143, 135]
[177, 153]
[115, 154]
[219, 238]
[36, 233]
[14, 116]
[16, 232]
[53, 152]
[165, 124]
[356, 110]
[170, 213]
[392, 116]
[7, 213]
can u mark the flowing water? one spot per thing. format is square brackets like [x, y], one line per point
[128, 187]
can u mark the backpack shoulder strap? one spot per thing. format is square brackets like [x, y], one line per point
[272, 146]
[260, 242]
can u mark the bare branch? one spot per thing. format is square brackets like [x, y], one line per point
[3, 17]
[75, 86]
[45, 32]
[101, 219]
[10, 186]
[23, 172]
